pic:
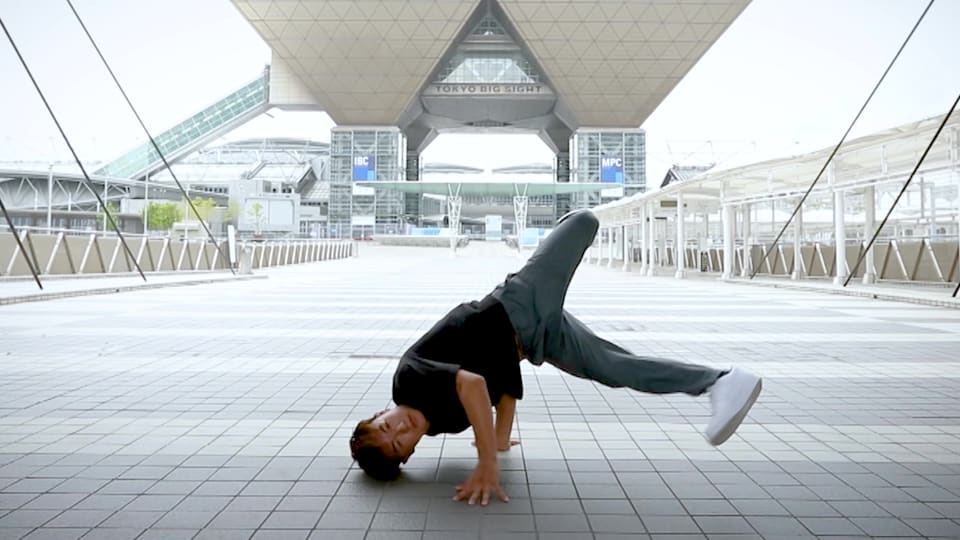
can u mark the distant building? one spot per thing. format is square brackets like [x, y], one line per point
[682, 173]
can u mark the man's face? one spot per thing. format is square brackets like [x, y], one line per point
[399, 431]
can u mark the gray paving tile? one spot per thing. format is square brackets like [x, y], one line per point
[612, 523]
[129, 519]
[562, 523]
[393, 535]
[723, 525]
[607, 506]
[345, 520]
[285, 534]
[830, 526]
[777, 526]
[399, 521]
[670, 524]
[26, 518]
[503, 524]
[224, 534]
[54, 501]
[168, 534]
[709, 507]
[59, 533]
[249, 520]
[883, 526]
[291, 520]
[182, 519]
[337, 535]
[79, 518]
[112, 534]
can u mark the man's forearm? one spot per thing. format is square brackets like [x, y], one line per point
[472, 390]
[506, 408]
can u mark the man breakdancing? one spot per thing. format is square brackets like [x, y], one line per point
[452, 376]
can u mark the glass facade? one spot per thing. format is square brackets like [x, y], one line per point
[488, 55]
[359, 211]
[140, 160]
[589, 150]
[488, 67]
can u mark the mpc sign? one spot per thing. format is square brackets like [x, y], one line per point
[364, 168]
[611, 169]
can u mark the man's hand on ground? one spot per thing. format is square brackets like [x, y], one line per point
[484, 481]
[503, 447]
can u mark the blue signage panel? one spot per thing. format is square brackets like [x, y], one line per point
[364, 168]
[611, 169]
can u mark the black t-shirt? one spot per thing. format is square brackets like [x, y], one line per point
[475, 336]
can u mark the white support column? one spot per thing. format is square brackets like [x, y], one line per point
[146, 202]
[626, 248]
[956, 177]
[638, 242]
[520, 203]
[840, 237]
[600, 247]
[954, 139]
[703, 243]
[870, 216]
[797, 241]
[706, 229]
[642, 237]
[747, 211]
[454, 204]
[681, 241]
[662, 242]
[651, 244]
[610, 233]
[728, 219]
[49, 200]
[106, 203]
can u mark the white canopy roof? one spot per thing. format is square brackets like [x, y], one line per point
[886, 156]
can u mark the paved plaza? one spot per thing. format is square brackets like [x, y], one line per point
[223, 411]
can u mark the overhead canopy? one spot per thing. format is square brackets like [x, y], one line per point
[875, 159]
[531, 189]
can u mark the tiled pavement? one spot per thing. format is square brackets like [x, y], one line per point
[223, 411]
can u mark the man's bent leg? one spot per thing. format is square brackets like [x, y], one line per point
[552, 265]
[582, 353]
[533, 296]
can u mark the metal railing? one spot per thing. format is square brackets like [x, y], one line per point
[65, 252]
[919, 260]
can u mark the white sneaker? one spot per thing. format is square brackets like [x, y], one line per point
[731, 398]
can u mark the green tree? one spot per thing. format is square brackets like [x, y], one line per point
[255, 213]
[204, 208]
[232, 213]
[103, 222]
[162, 216]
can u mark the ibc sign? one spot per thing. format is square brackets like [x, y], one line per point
[364, 168]
[611, 170]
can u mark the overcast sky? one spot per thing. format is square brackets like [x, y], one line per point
[786, 77]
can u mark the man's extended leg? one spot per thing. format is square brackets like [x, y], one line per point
[580, 352]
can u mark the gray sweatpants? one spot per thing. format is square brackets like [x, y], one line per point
[533, 298]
